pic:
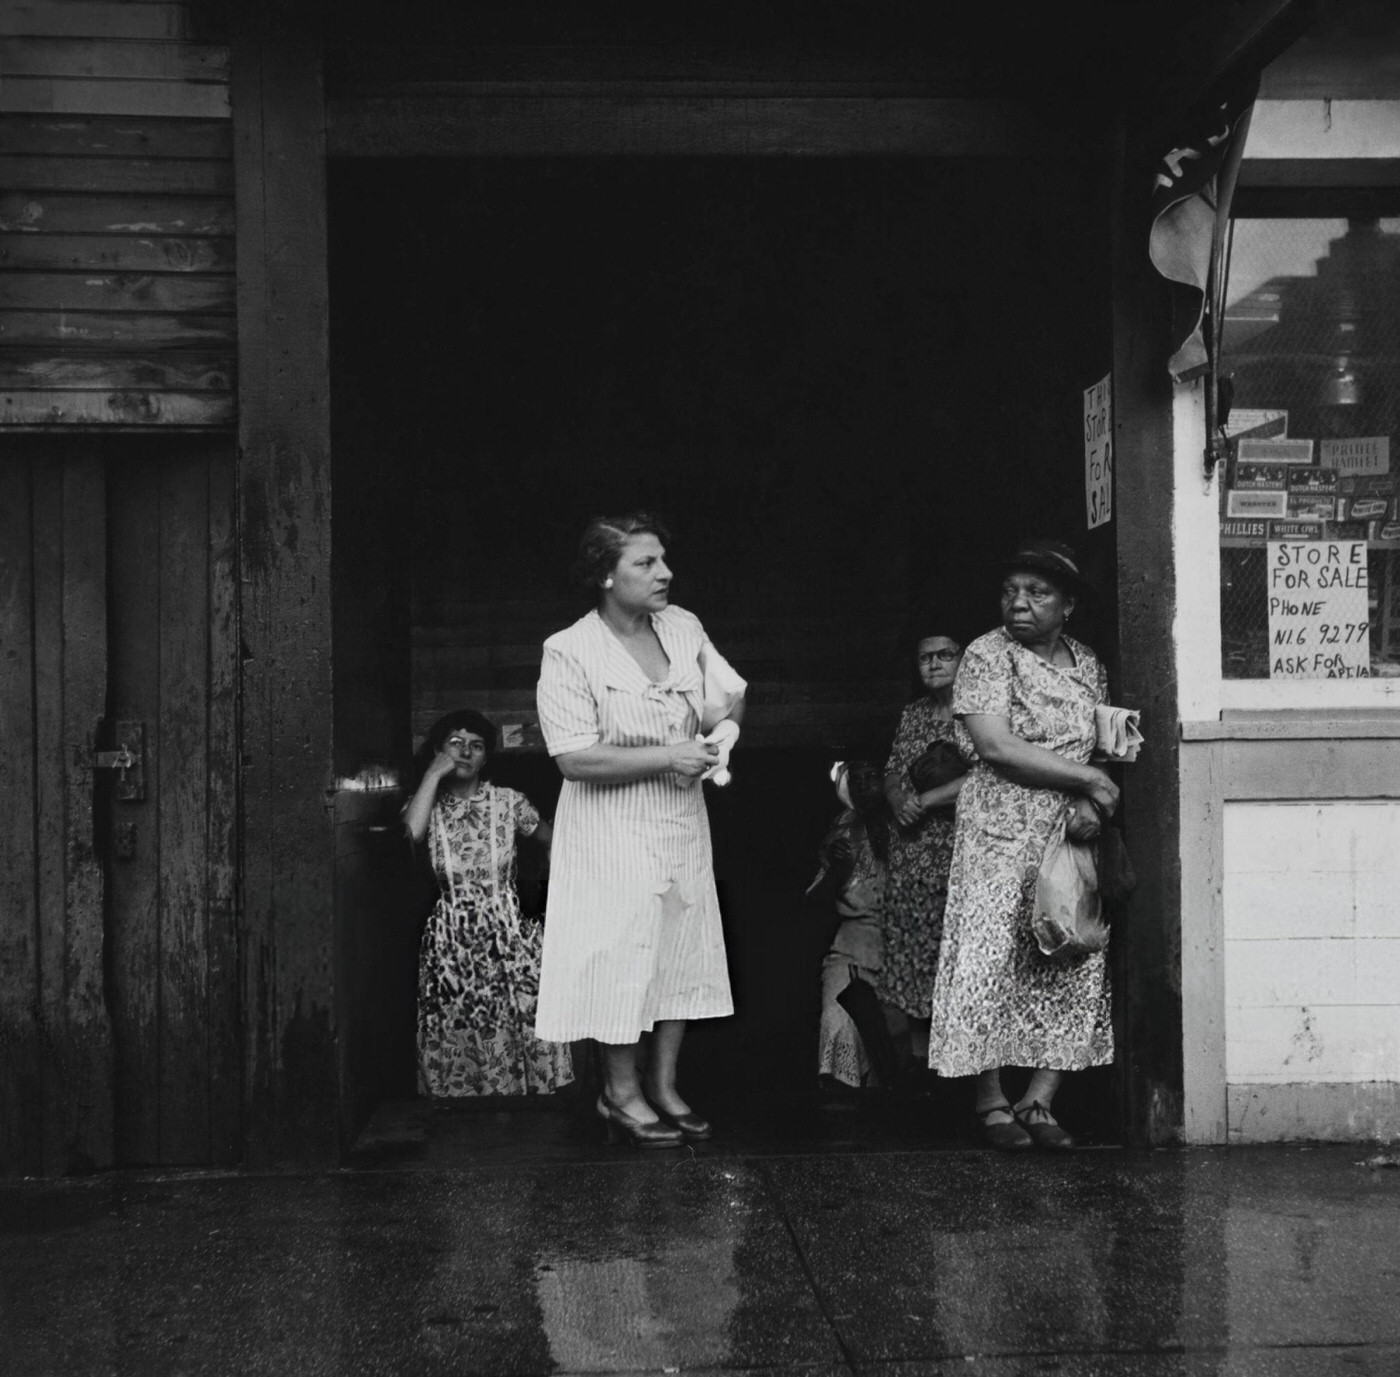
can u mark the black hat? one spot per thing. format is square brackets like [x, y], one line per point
[1053, 558]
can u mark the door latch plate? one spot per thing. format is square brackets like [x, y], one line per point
[128, 760]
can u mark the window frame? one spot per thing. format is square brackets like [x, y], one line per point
[1305, 189]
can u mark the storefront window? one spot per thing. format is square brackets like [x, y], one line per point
[1309, 522]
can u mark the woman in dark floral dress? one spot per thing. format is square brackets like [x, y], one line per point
[478, 962]
[921, 845]
[1026, 693]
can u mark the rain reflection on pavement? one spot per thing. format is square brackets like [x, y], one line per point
[1270, 1260]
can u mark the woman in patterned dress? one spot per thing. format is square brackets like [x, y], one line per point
[478, 962]
[633, 942]
[921, 846]
[1026, 693]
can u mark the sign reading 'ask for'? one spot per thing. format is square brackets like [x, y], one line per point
[1319, 617]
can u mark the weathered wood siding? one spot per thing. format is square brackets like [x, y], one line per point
[118, 948]
[116, 216]
[55, 1030]
[171, 931]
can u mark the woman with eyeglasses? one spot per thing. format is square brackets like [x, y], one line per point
[478, 959]
[1026, 693]
[923, 778]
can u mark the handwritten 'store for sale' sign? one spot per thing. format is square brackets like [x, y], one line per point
[1319, 618]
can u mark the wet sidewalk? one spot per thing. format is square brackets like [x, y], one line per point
[559, 1256]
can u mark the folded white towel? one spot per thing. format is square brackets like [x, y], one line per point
[1116, 732]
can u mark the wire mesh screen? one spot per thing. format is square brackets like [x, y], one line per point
[1309, 530]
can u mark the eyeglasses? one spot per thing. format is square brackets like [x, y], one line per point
[927, 657]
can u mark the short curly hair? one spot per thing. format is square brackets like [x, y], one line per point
[464, 719]
[600, 546]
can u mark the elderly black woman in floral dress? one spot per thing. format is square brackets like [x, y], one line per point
[921, 844]
[1026, 693]
[479, 960]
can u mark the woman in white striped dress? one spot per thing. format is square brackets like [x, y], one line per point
[632, 930]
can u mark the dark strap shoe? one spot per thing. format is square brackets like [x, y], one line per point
[1044, 1132]
[1007, 1137]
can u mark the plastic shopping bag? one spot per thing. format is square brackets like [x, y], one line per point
[1069, 918]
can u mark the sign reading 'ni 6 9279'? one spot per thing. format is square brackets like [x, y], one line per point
[1319, 618]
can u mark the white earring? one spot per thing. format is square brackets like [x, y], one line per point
[607, 583]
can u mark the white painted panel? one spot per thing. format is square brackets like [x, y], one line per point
[1274, 837]
[1308, 695]
[1196, 521]
[1324, 869]
[1318, 971]
[1316, 835]
[1312, 942]
[1324, 129]
[1280, 905]
[1325, 1111]
[1308, 1044]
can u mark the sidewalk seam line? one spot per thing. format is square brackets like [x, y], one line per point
[781, 1206]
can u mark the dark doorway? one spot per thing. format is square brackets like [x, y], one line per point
[849, 385]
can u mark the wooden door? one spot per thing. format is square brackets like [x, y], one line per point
[118, 970]
[55, 1031]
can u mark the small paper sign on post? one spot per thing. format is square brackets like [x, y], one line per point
[1098, 451]
[1319, 618]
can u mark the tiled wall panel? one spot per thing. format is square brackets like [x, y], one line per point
[1312, 942]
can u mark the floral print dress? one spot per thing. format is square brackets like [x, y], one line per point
[478, 962]
[918, 870]
[997, 1001]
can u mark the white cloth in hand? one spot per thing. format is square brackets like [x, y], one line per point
[724, 736]
[1116, 732]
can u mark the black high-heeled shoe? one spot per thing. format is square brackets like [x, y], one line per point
[622, 1125]
[690, 1124]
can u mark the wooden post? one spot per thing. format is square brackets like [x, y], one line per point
[285, 588]
[1147, 940]
[21, 1048]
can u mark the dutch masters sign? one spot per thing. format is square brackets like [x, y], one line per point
[1098, 452]
[1319, 625]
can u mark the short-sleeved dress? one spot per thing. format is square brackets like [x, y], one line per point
[996, 1000]
[918, 869]
[632, 929]
[478, 960]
